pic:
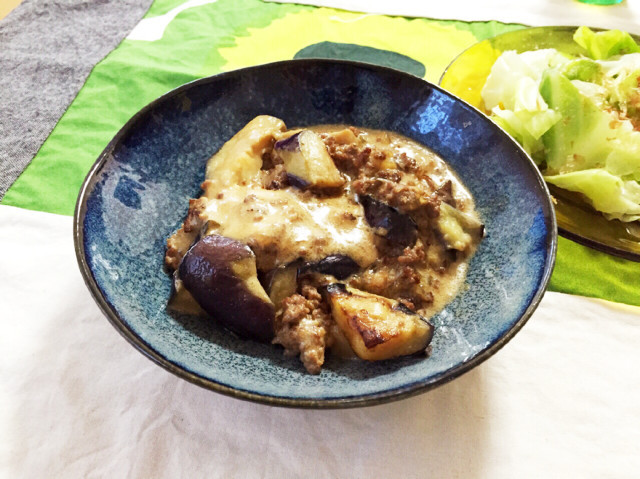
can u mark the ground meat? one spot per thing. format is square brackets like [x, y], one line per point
[391, 175]
[270, 158]
[193, 222]
[353, 158]
[399, 195]
[412, 255]
[302, 327]
[409, 304]
[345, 157]
[173, 256]
[424, 216]
[431, 207]
[275, 178]
[405, 162]
[421, 170]
[375, 164]
[181, 240]
[394, 280]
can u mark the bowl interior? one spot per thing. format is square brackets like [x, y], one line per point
[137, 195]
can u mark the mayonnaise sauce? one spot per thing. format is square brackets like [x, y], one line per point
[301, 225]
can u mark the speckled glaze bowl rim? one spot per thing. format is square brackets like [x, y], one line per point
[393, 394]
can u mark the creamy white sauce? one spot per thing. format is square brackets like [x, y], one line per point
[300, 225]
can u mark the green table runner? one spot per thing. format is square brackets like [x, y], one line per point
[226, 34]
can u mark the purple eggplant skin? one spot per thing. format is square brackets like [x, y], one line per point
[214, 271]
[400, 229]
[298, 182]
[339, 266]
[291, 143]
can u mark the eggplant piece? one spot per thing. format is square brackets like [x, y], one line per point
[339, 266]
[282, 282]
[339, 344]
[221, 275]
[182, 301]
[343, 137]
[307, 161]
[240, 159]
[398, 228]
[458, 230]
[445, 193]
[297, 182]
[377, 327]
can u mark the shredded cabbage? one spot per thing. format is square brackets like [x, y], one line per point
[603, 45]
[577, 116]
[616, 198]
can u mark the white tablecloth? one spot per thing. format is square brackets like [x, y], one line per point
[76, 400]
[625, 15]
[560, 400]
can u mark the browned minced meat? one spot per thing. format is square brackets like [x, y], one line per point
[274, 178]
[408, 197]
[397, 279]
[405, 162]
[399, 195]
[302, 327]
[353, 159]
[193, 222]
[412, 254]
[345, 156]
[179, 242]
[391, 175]
[431, 207]
[173, 256]
[270, 158]
[409, 165]
[408, 303]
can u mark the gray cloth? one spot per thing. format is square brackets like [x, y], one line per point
[47, 50]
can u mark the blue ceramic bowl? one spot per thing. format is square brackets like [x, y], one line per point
[137, 193]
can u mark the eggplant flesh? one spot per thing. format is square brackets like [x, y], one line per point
[182, 301]
[245, 149]
[376, 327]
[282, 282]
[221, 275]
[458, 230]
[307, 161]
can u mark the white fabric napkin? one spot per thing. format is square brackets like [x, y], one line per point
[625, 16]
[76, 400]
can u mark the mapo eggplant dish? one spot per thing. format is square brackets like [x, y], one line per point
[324, 238]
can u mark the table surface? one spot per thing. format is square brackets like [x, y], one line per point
[559, 400]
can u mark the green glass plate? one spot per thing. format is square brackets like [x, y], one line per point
[577, 220]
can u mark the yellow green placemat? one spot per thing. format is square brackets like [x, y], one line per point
[227, 34]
